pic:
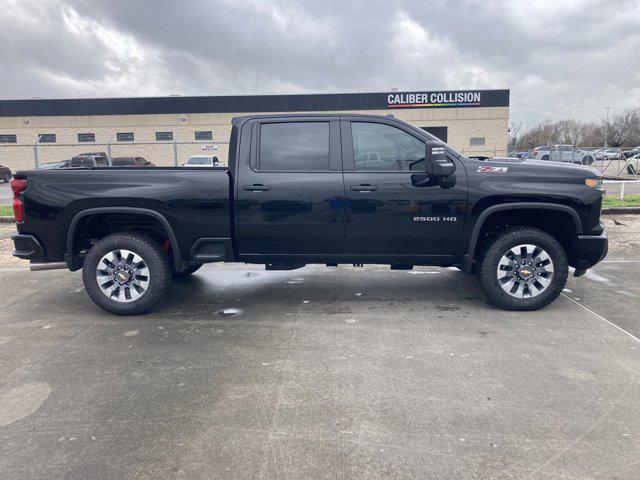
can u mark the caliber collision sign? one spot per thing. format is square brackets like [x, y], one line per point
[435, 99]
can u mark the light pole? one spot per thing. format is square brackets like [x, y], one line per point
[606, 133]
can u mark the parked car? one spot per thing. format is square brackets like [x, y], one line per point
[631, 153]
[633, 164]
[50, 165]
[562, 153]
[294, 194]
[608, 154]
[202, 161]
[5, 173]
[131, 162]
[518, 155]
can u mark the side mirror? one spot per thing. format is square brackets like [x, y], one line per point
[436, 163]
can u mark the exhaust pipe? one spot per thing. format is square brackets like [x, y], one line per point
[38, 267]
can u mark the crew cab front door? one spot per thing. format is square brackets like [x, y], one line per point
[389, 216]
[290, 195]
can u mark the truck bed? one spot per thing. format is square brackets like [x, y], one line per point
[195, 201]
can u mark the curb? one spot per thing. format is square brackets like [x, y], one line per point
[620, 210]
[7, 220]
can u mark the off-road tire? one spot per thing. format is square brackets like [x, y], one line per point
[494, 250]
[155, 259]
[194, 267]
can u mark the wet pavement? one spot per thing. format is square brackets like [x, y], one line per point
[352, 373]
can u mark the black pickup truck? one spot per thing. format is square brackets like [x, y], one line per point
[323, 189]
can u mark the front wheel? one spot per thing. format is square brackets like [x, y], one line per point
[631, 170]
[587, 160]
[126, 273]
[523, 268]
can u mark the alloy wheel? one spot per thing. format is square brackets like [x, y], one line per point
[123, 276]
[525, 271]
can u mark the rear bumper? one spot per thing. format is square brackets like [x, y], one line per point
[27, 247]
[591, 249]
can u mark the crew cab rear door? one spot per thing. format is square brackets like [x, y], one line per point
[388, 215]
[290, 195]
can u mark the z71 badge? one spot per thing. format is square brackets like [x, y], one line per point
[489, 169]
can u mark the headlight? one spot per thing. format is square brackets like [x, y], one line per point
[594, 183]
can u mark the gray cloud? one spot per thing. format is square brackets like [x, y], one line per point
[560, 59]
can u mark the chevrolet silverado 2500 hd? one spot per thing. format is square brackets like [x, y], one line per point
[324, 189]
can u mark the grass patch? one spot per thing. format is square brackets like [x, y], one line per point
[6, 211]
[627, 201]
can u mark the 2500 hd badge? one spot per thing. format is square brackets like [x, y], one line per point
[435, 219]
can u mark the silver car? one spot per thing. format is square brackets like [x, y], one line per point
[202, 161]
[562, 153]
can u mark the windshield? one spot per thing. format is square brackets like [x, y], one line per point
[199, 161]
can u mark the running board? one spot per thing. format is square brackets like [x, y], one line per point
[40, 266]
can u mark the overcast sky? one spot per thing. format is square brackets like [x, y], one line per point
[559, 58]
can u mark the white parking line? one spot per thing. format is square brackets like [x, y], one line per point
[602, 318]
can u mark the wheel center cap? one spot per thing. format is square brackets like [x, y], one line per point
[525, 272]
[121, 276]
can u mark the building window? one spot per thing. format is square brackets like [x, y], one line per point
[164, 136]
[8, 138]
[440, 133]
[204, 135]
[86, 137]
[125, 136]
[47, 138]
[476, 142]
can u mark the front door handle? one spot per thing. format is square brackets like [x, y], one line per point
[365, 187]
[256, 187]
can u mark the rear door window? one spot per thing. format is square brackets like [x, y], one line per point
[294, 146]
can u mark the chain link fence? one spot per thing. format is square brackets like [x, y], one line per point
[614, 163]
[157, 154]
[15, 157]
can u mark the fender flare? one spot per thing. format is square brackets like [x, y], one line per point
[177, 255]
[467, 261]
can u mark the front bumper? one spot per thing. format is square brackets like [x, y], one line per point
[27, 247]
[591, 249]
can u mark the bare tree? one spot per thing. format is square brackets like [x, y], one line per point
[622, 130]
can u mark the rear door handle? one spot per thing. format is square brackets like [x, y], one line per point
[256, 187]
[365, 187]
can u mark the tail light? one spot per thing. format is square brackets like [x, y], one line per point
[18, 185]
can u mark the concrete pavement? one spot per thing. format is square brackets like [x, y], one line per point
[321, 373]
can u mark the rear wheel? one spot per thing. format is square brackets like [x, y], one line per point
[523, 268]
[631, 170]
[587, 160]
[126, 273]
[194, 267]
[545, 157]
